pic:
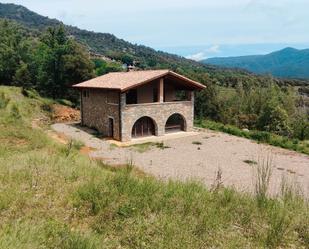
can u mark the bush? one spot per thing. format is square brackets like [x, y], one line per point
[261, 136]
[30, 93]
[247, 121]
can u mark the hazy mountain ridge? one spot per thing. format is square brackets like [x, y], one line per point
[286, 63]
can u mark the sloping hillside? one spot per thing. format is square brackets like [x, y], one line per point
[53, 197]
[286, 63]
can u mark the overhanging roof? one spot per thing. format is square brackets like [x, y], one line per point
[124, 81]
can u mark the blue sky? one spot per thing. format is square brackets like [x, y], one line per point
[192, 28]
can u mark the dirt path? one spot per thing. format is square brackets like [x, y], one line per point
[201, 156]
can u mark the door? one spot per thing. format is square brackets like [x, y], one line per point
[111, 127]
[143, 127]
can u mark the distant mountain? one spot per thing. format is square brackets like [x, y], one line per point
[286, 63]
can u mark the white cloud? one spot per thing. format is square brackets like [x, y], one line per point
[214, 49]
[197, 57]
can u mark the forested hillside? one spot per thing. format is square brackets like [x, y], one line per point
[144, 57]
[288, 62]
[45, 55]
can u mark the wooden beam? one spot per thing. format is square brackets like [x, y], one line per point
[161, 90]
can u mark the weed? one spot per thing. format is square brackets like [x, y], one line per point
[3, 100]
[217, 184]
[289, 190]
[263, 174]
[161, 146]
[197, 142]
[15, 114]
[250, 162]
[73, 145]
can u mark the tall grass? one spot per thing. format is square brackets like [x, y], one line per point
[3, 100]
[263, 174]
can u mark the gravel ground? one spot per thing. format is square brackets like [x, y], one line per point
[201, 156]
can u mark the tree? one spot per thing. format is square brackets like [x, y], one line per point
[301, 126]
[23, 77]
[10, 38]
[62, 62]
[206, 103]
[127, 59]
[274, 119]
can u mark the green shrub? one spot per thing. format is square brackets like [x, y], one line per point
[30, 93]
[65, 102]
[260, 136]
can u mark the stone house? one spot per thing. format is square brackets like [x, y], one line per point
[126, 105]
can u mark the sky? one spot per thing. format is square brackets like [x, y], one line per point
[196, 29]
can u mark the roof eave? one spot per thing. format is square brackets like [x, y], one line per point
[144, 82]
[93, 87]
[192, 82]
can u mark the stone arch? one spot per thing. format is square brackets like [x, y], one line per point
[175, 122]
[144, 126]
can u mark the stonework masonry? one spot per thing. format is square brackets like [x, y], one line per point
[97, 107]
[100, 105]
[158, 112]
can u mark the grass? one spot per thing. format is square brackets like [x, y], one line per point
[148, 146]
[260, 136]
[51, 196]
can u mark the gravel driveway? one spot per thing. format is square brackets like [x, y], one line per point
[201, 156]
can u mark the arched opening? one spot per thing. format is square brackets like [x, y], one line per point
[144, 127]
[175, 123]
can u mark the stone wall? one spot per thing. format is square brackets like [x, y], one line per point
[97, 107]
[159, 112]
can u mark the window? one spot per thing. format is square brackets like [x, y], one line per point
[131, 96]
[86, 93]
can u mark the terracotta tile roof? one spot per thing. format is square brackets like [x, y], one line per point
[124, 81]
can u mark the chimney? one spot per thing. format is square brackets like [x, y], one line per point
[130, 68]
